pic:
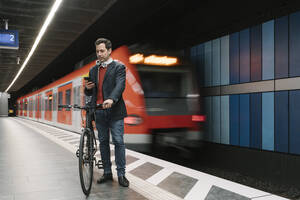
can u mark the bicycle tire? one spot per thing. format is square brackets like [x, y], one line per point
[86, 160]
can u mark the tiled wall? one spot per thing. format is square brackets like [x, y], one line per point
[252, 84]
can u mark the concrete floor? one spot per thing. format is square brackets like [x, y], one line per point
[33, 167]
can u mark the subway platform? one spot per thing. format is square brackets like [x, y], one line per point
[38, 162]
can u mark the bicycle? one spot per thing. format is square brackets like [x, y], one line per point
[87, 148]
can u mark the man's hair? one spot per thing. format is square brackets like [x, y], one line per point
[107, 42]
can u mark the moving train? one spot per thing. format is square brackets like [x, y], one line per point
[161, 98]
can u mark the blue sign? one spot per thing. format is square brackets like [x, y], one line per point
[9, 39]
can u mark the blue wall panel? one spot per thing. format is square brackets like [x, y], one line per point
[268, 121]
[200, 64]
[281, 121]
[294, 33]
[216, 59]
[245, 56]
[225, 120]
[245, 120]
[234, 120]
[208, 64]
[294, 118]
[255, 121]
[225, 60]
[216, 126]
[208, 111]
[281, 47]
[256, 53]
[234, 58]
[268, 50]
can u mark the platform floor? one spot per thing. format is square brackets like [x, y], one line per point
[38, 161]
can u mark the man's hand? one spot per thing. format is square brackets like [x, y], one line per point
[89, 85]
[107, 103]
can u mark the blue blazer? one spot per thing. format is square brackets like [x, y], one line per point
[112, 88]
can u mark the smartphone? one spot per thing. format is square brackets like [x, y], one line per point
[88, 79]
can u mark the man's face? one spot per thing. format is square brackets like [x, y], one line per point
[102, 53]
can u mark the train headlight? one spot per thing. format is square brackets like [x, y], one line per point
[133, 120]
[198, 118]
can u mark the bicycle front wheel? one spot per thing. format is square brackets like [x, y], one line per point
[86, 162]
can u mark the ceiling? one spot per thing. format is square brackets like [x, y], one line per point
[70, 38]
[28, 16]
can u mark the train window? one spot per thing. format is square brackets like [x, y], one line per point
[30, 105]
[25, 106]
[78, 95]
[50, 103]
[68, 98]
[33, 104]
[46, 104]
[74, 95]
[54, 101]
[60, 99]
[43, 102]
[162, 84]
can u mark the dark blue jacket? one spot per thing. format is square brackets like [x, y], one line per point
[112, 88]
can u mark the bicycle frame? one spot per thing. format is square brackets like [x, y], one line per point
[88, 128]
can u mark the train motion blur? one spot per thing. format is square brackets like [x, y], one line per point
[161, 97]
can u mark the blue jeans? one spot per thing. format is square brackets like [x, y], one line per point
[104, 124]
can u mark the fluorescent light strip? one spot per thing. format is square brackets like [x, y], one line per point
[37, 40]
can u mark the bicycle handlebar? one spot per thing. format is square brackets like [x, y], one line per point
[98, 106]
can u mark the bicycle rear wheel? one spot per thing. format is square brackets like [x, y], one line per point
[86, 162]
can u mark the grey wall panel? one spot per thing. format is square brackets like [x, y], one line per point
[268, 121]
[208, 64]
[216, 119]
[225, 120]
[225, 60]
[253, 87]
[216, 70]
[287, 84]
[268, 50]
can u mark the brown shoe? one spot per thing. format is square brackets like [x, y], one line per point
[105, 178]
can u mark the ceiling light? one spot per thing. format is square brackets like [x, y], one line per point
[37, 40]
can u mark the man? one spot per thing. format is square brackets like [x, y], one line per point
[106, 85]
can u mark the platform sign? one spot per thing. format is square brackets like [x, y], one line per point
[9, 39]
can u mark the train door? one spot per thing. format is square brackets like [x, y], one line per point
[76, 118]
[21, 107]
[38, 106]
[30, 107]
[64, 115]
[48, 105]
[33, 107]
[25, 107]
[54, 110]
[43, 96]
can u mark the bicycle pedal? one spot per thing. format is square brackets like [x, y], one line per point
[77, 153]
[99, 164]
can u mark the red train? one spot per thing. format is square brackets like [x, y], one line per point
[160, 97]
